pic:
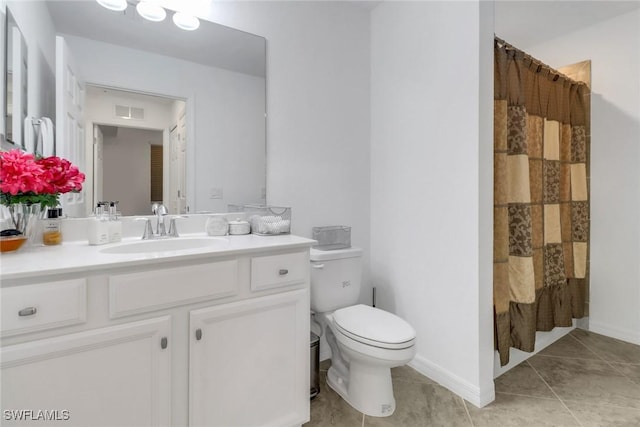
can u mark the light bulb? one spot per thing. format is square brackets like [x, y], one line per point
[151, 11]
[185, 21]
[116, 5]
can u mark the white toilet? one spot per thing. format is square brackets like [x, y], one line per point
[365, 342]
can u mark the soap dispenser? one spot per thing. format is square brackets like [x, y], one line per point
[115, 224]
[98, 230]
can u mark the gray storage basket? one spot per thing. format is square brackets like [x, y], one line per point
[332, 237]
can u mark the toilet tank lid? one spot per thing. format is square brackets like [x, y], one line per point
[318, 255]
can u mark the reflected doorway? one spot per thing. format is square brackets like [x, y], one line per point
[138, 150]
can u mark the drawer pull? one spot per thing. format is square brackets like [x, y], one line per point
[317, 266]
[29, 311]
[283, 272]
[198, 334]
[163, 343]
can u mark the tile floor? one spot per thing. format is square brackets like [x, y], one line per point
[583, 379]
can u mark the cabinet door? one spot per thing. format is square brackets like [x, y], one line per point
[115, 376]
[249, 362]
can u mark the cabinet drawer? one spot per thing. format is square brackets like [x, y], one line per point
[154, 290]
[275, 271]
[43, 306]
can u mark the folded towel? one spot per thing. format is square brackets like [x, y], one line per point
[46, 136]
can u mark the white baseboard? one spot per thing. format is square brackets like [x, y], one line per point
[614, 332]
[478, 396]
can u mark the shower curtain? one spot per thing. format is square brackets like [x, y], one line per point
[541, 199]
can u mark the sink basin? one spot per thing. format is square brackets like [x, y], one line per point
[166, 245]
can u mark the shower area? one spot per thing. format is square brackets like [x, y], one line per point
[541, 197]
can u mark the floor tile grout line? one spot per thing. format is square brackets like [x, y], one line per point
[587, 347]
[555, 394]
[464, 403]
[610, 364]
[605, 405]
[527, 395]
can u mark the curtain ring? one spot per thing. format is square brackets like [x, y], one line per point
[539, 68]
[556, 77]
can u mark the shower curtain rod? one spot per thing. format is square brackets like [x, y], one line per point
[541, 65]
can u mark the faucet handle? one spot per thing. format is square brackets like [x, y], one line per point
[148, 230]
[173, 231]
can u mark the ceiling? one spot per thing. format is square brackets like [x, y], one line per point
[211, 44]
[528, 23]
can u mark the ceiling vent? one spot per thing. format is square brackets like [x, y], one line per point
[126, 112]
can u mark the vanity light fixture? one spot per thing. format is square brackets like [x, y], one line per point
[116, 5]
[151, 11]
[185, 21]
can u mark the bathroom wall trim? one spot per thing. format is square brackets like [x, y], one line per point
[623, 334]
[478, 396]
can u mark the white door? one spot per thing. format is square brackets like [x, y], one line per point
[17, 92]
[98, 169]
[70, 132]
[115, 376]
[172, 195]
[178, 166]
[249, 362]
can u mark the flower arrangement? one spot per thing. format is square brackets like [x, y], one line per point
[29, 180]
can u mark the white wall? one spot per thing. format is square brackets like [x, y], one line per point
[613, 46]
[127, 169]
[221, 149]
[318, 106]
[430, 149]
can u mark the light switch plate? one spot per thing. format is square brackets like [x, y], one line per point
[216, 193]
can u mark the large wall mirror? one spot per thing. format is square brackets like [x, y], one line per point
[193, 101]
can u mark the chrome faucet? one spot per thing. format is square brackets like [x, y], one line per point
[160, 211]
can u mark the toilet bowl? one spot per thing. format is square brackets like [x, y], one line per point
[365, 342]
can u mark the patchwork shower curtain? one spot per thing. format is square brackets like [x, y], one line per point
[541, 199]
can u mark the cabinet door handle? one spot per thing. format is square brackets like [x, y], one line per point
[163, 343]
[317, 266]
[198, 334]
[283, 272]
[29, 311]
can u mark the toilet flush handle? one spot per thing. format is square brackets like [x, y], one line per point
[317, 266]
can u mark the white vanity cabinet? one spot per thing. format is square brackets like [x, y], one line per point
[216, 340]
[247, 362]
[113, 376]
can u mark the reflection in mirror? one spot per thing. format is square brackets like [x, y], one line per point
[139, 144]
[4, 145]
[16, 88]
[216, 71]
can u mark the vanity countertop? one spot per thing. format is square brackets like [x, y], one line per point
[80, 257]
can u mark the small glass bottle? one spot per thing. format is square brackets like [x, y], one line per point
[52, 234]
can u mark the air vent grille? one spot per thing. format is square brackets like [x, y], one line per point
[127, 112]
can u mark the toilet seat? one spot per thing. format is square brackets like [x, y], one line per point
[374, 327]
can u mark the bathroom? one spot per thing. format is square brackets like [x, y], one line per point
[349, 142]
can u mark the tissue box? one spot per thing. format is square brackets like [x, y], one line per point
[332, 237]
[267, 220]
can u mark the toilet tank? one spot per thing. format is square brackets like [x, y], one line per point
[335, 278]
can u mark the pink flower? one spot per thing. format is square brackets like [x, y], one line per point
[61, 176]
[21, 173]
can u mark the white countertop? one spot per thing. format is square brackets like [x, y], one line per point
[79, 256]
